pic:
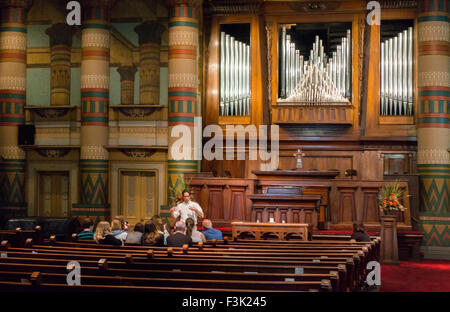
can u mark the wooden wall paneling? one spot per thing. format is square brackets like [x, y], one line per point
[356, 201]
[347, 204]
[371, 212]
[217, 197]
[237, 201]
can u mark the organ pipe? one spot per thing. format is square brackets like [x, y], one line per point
[234, 75]
[396, 60]
[322, 72]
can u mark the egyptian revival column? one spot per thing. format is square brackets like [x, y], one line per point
[95, 45]
[127, 84]
[60, 43]
[183, 83]
[433, 132]
[13, 45]
[149, 54]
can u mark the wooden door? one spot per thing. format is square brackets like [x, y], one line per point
[138, 195]
[53, 194]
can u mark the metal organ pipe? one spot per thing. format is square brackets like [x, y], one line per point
[234, 74]
[396, 72]
[320, 73]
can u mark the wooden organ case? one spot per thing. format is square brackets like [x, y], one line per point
[321, 73]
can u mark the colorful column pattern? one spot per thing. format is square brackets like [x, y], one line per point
[60, 44]
[13, 45]
[149, 63]
[127, 84]
[434, 121]
[183, 83]
[95, 45]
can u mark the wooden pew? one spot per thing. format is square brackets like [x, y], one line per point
[97, 280]
[198, 267]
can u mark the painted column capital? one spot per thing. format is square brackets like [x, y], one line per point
[190, 3]
[127, 72]
[60, 34]
[149, 32]
[24, 4]
[104, 4]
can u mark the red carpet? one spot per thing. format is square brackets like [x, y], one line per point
[426, 276]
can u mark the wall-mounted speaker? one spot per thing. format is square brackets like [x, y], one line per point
[26, 134]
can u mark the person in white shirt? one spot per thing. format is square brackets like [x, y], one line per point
[187, 209]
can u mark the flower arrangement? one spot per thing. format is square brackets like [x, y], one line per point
[389, 199]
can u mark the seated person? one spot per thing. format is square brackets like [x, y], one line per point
[103, 235]
[209, 232]
[191, 231]
[160, 226]
[135, 237]
[123, 223]
[151, 236]
[179, 238]
[117, 230]
[87, 232]
[359, 234]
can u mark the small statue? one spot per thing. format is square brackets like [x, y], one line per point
[299, 154]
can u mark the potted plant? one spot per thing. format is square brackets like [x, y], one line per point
[389, 199]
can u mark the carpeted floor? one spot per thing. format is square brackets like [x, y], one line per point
[426, 276]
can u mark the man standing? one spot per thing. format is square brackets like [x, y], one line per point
[187, 209]
[209, 232]
[179, 238]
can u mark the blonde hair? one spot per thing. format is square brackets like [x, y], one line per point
[103, 228]
[121, 219]
[116, 225]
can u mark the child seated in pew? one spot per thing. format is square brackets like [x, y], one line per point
[117, 230]
[103, 235]
[151, 236]
[123, 223]
[191, 231]
[359, 233]
[160, 226]
[87, 232]
[135, 237]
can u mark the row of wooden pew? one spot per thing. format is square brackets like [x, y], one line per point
[214, 266]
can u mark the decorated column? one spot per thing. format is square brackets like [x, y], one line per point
[127, 84]
[95, 45]
[13, 45]
[60, 44]
[433, 133]
[183, 82]
[149, 44]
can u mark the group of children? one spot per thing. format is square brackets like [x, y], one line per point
[154, 232]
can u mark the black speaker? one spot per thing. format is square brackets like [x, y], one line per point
[26, 134]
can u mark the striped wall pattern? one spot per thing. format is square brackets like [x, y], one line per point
[436, 229]
[95, 47]
[183, 84]
[12, 186]
[13, 45]
[433, 125]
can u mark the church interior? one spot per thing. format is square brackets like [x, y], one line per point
[288, 121]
